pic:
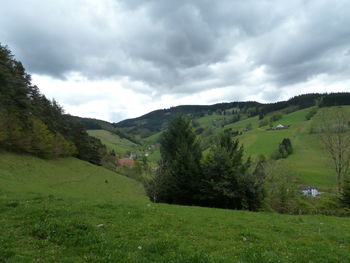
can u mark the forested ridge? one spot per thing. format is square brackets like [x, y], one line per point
[31, 123]
[158, 120]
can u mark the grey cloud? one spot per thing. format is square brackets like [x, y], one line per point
[174, 46]
[309, 45]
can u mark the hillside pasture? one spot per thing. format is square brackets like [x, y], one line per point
[113, 141]
[23, 175]
[63, 211]
[309, 161]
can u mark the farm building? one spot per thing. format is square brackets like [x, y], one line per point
[309, 191]
[126, 162]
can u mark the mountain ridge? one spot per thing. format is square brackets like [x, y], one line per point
[157, 120]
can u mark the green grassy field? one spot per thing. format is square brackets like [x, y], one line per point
[68, 177]
[114, 142]
[64, 211]
[309, 162]
[209, 120]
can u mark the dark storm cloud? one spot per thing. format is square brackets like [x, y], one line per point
[181, 46]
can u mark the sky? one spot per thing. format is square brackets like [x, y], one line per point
[118, 59]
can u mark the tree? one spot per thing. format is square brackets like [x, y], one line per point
[285, 148]
[345, 195]
[178, 178]
[335, 135]
[280, 186]
[227, 182]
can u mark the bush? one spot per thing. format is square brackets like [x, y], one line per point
[345, 195]
[311, 113]
[263, 123]
[227, 183]
[284, 149]
[275, 117]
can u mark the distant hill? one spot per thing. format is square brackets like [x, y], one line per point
[95, 124]
[155, 121]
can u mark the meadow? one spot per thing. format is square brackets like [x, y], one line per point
[67, 210]
[114, 142]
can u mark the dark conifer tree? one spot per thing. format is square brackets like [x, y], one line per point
[178, 178]
[345, 195]
[227, 182]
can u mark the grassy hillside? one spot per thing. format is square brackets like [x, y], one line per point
[114, 142]
[309, 162]
[63, 211]
[24, 176]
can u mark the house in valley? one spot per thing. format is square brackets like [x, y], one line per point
[126, 162]
[309, 191]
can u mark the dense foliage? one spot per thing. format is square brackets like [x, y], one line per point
[178, 177]
[226, 181]
[31, 123]
[284, 149]
[345, 195]
[221, 180]
[335, 99]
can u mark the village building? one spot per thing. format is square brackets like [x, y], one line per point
[126, 162]
[281, 127]
[309, 191]
[133, 155]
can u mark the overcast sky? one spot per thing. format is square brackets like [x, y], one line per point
[112, 60]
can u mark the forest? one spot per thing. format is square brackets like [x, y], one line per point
[31, 123]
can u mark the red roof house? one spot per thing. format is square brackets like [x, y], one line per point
[125, 162]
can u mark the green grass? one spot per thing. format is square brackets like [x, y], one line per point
[309, 162]
[122, 146]
[153, 139]
[114, 142]
[208, 120]
[68, 177]
[63, 211]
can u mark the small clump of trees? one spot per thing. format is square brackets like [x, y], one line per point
[284, 149]
[223, 178]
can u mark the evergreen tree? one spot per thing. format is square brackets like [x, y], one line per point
[178, 177]
[284, 149]
[227, 182]
[345, 195]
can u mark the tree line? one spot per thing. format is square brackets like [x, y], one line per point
[30, 123]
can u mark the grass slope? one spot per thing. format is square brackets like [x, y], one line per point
[23, 175]
[309, 162]
[113, 141]
[63, 211]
